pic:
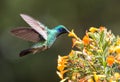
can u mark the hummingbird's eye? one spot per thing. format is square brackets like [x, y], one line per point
[61, 30]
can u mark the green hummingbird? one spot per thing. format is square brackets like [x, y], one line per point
[41, 35]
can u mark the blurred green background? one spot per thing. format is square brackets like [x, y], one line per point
[74, 14]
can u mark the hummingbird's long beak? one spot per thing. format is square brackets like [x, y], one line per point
[67, 30]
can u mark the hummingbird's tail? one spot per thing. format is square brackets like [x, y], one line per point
[31, 50]
[25, 52]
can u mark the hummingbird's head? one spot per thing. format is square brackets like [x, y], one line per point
[61, 30]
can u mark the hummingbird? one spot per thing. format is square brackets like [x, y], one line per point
[41, 35]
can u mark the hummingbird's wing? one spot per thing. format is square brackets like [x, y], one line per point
[36, 25]
[27, 34]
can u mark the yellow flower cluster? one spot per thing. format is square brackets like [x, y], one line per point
[62, 61]
[97, 58]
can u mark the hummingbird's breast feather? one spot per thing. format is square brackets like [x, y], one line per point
[51, 38]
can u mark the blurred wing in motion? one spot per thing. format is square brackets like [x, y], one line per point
[36, 25]
[27, 34]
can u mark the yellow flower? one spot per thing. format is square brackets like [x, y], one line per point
[96, 77]
[86, 40]
[62, 58]
[90, 80]
[75, 75]
[110, 60]
[61, 73]
[71, 53]
[117, 76]
[72, 34]
[64, 80]
[111, 80]
[62, 61]
[118, 41]
[111, 49]
[102, 28]
[61, 67]
[75, 42]
[93, 29]
[117, 58]
[117, 49]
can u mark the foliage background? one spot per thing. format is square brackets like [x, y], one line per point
[77, 14]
